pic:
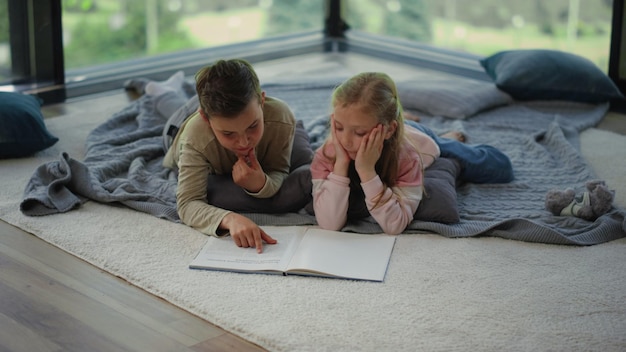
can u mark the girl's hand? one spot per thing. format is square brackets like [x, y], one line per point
[245, 232]
[248, 173]
[369, 152]
[342, 159]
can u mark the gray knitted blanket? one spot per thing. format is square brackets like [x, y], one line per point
[124, 154]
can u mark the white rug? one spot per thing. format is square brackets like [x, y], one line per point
[476, 294]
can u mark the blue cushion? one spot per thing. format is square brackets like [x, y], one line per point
[439, 203]
[22, 129]
[540, 74]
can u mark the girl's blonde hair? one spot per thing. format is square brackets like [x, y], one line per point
[377, 94]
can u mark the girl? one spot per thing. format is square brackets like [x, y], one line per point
[372, 155]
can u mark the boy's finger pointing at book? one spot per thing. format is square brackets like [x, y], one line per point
[267, 238]
[261, 236]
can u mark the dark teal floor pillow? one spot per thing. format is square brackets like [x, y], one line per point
[22, 128]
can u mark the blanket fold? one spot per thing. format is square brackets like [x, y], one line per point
[52, 189]
[123, 165]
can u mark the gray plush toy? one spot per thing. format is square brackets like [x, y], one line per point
[594, 202]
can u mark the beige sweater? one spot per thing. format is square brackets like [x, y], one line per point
[196, 153]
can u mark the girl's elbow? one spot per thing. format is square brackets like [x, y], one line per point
[330, 225]
[393, 231]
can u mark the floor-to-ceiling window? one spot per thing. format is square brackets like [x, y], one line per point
[484, 27]
[106, 31]
[113, 39]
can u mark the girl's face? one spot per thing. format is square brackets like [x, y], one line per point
[243, 132]
[352, 123]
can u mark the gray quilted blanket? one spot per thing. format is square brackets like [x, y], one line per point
[124, 154]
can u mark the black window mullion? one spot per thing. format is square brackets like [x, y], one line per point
[334, 27]
[19, 42]
[36, 40]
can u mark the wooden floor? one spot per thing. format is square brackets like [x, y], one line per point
[53, 301]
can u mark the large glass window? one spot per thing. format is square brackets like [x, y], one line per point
[104, 42]
[484, 27]
[107, 31]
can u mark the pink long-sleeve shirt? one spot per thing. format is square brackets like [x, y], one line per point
[397, 204]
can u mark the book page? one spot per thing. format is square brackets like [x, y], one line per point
[221, 253]
[343, 254]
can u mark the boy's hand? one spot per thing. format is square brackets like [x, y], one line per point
[245, 232]
[248, 173]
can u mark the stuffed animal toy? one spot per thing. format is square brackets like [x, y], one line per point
[594, 202]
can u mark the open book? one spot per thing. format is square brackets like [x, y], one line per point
[303, 251]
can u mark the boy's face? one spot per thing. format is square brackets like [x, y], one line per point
[243, 132]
